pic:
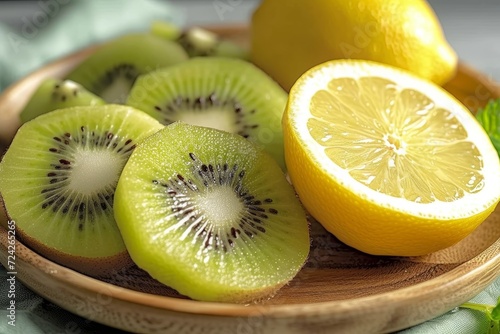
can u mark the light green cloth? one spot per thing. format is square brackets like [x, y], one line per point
[461, 321]
[73, 26]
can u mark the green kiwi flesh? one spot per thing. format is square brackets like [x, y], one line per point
[224, 93]
[112, 69]
[58, 177]
[211, 215]
[54, 94]
[3, 215]
[165, 30]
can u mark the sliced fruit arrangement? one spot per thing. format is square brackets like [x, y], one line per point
[211, 215]
[389, 163]
[199, 42]
[224, 93]
[58, 178]
[54, 94]
[111, 71]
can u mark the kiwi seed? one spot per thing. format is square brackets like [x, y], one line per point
[200, 104]
[180, 191]
[55, 197]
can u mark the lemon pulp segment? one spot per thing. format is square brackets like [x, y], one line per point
[395, 140]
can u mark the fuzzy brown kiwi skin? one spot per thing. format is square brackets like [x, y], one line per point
[94, 267]
[3, 214]
[3, 209]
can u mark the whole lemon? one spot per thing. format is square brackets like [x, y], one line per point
[288, 37]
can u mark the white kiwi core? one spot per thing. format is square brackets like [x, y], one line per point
[219, 119]
[220, 205]
[117, 92]
[94, 170]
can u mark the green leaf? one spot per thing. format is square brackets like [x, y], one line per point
[489, 118]
[495, 313]
[486, 309]
[492, 312]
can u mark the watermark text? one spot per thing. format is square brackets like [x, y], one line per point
[11, 273]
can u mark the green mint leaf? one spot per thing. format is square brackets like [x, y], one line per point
[489, 118]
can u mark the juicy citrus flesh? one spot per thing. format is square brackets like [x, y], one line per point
[389, 163]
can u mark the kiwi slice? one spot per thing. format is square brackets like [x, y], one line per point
[199, 42]
[113, 68]
[211, 215]
[224, 93]
[58, 178]
[54, 94]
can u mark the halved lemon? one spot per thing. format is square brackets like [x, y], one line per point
[389, 163]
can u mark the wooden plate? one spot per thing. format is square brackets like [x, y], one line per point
[340, 290]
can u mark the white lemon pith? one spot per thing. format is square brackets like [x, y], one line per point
[389, 163]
